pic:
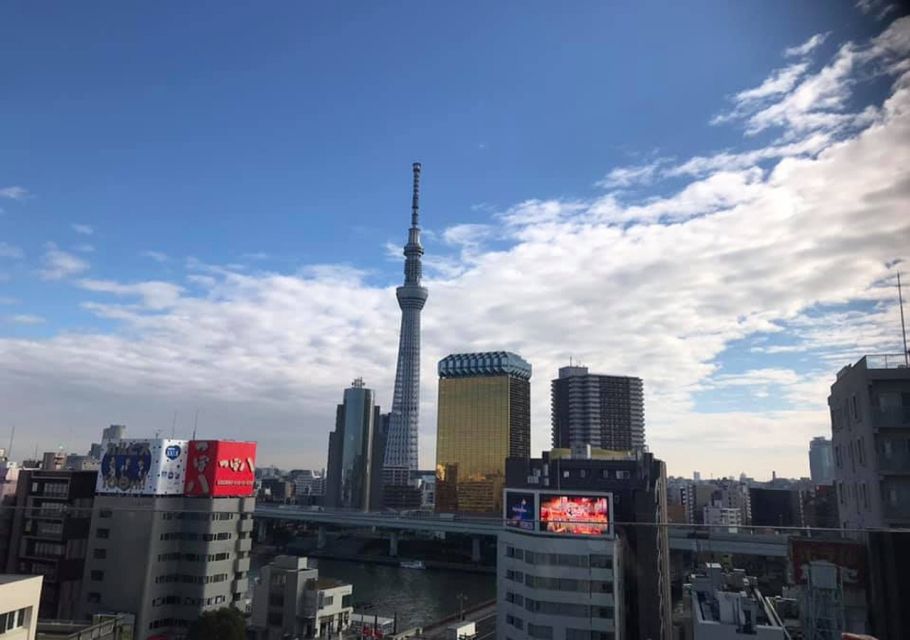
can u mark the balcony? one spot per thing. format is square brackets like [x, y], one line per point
[895, 465]
[891, 418]
[246, 525]
[241, 565]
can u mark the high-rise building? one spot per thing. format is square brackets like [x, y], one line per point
[585, 553]
[821, 461]
[292, 600]
[170, 532]
[606, 412]
[50, 529]
[484, 417]
[110, 434]
[401, 444]
[870, 427]
[351, 449]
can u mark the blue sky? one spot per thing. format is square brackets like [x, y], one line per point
[210, 149]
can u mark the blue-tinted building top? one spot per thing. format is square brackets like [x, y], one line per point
[489, 363]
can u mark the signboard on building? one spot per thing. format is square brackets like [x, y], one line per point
[220, 468]
[521, 510]
[849, 556]
[143, 467]
[575, 514]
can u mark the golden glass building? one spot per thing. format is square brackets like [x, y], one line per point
[484, 416]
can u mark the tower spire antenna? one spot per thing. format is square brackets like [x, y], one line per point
[900, 298]
[415, 196]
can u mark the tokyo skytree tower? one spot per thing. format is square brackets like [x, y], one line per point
[401, 443]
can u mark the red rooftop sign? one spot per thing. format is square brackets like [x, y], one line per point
[220, 468]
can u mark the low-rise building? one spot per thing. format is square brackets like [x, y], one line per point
[291, 600]
[19, 597]
[728, 606]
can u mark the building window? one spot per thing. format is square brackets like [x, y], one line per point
[327, 601]
[540, 631]
[97, 576]
[855, 407]
[104, 513]
[601, 561]
[103, 533]
[99, 554]
[94, 597]
[623, 474]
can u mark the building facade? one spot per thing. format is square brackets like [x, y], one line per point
[401, 445]
[870, 428]
[19, 597]
[606, 412]
[351, 450]
[636, 486]
[821, 461]
[171, 532]
[484, 417]
[49, 533]
[293, 601]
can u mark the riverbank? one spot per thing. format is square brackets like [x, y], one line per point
[396, 562]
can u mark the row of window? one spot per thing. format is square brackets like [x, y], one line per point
[194, 557]
[560, 584]
[546, 632]
[47, 549]
[181, 515]
[559, 608]
[12, 620]
[597, 561]
[190, 537]
[180, 577]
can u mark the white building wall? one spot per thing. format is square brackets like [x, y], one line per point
[19, 594]
[527, 595]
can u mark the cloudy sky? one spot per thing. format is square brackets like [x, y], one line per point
[202, 209]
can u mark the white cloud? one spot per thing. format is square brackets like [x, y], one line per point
[14, 193]
[10, 251]
[631, 175]
[83, 229]
[157, 256]
[59, 264]
[808, 46]
[879, 7]
[800, 249]
[25, 319]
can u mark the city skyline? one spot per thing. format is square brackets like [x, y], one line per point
[735, 275]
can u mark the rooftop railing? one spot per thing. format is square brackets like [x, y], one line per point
[886, 361]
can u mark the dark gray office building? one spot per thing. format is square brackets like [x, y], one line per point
[606, 412]
[870, 428]
[351, 468]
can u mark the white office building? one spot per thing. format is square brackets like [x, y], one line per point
[19, 597]
[292, 601]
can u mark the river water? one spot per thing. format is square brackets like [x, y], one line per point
[417, 596]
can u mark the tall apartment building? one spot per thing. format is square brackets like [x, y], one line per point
[352, 450]
[49, 532]
[484, 417]
[606, 412]
[575, 572]
[170, 532]
[292, 600]
[870, 428]
[821, 461]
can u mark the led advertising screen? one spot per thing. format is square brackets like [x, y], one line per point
[143, 467]
[521, 511]
[221, 468]
[576, 515]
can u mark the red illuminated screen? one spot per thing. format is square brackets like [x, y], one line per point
[575, 515]
[220, 468]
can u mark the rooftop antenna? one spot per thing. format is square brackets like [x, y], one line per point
[12, 436]
[174, 426]
[415, 197]
[900, 298]
[195, 423]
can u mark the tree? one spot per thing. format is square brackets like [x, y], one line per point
[221, 624]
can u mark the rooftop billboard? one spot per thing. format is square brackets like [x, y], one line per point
[849, 556]
[575, 514]
[220, 468]
[143, 467]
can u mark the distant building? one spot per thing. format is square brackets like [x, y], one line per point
[728, 605]
[717, 516]
[19, 606]
[821, 461]
[603, 411]
[276, 490]
[53, 461]
[170, 532]
[293, 601]
[870, 426]
[9, 482]
[351, 448]
[775, 507]
[113, 433]
[617, 575]
[483, 417]
[307, 482]
[49, 533]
